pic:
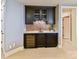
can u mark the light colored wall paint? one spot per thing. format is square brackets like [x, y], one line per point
[14, 24]
[58, 24]
[65, 14]
[48, 2]
[74, 39]
[40, 2]
[68, 2]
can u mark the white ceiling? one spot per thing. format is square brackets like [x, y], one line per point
[46, 2]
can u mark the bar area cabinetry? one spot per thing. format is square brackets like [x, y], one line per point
[35, 40]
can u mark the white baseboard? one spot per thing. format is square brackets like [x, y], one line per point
[13, 51]
[59, 46]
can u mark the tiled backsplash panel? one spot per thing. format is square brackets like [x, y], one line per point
[34, 28]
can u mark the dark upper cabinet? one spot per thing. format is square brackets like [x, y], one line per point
[40, 14]
[33, 13]
[29, 15]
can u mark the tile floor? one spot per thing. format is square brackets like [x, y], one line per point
[67, 52]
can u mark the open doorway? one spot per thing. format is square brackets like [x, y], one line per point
[69, 24]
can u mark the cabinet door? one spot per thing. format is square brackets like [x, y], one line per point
[51, 40]
[29, 41]
[40, 40]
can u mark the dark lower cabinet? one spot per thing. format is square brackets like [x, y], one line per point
[29, 41]
[40, 40]
[51, 40]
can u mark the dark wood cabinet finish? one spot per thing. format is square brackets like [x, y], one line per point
[40, 40]
[33, 13]
[29, 41]
[51, 40]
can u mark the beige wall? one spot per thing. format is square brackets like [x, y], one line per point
[74, 39]
[56, 18]
[69, 2]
